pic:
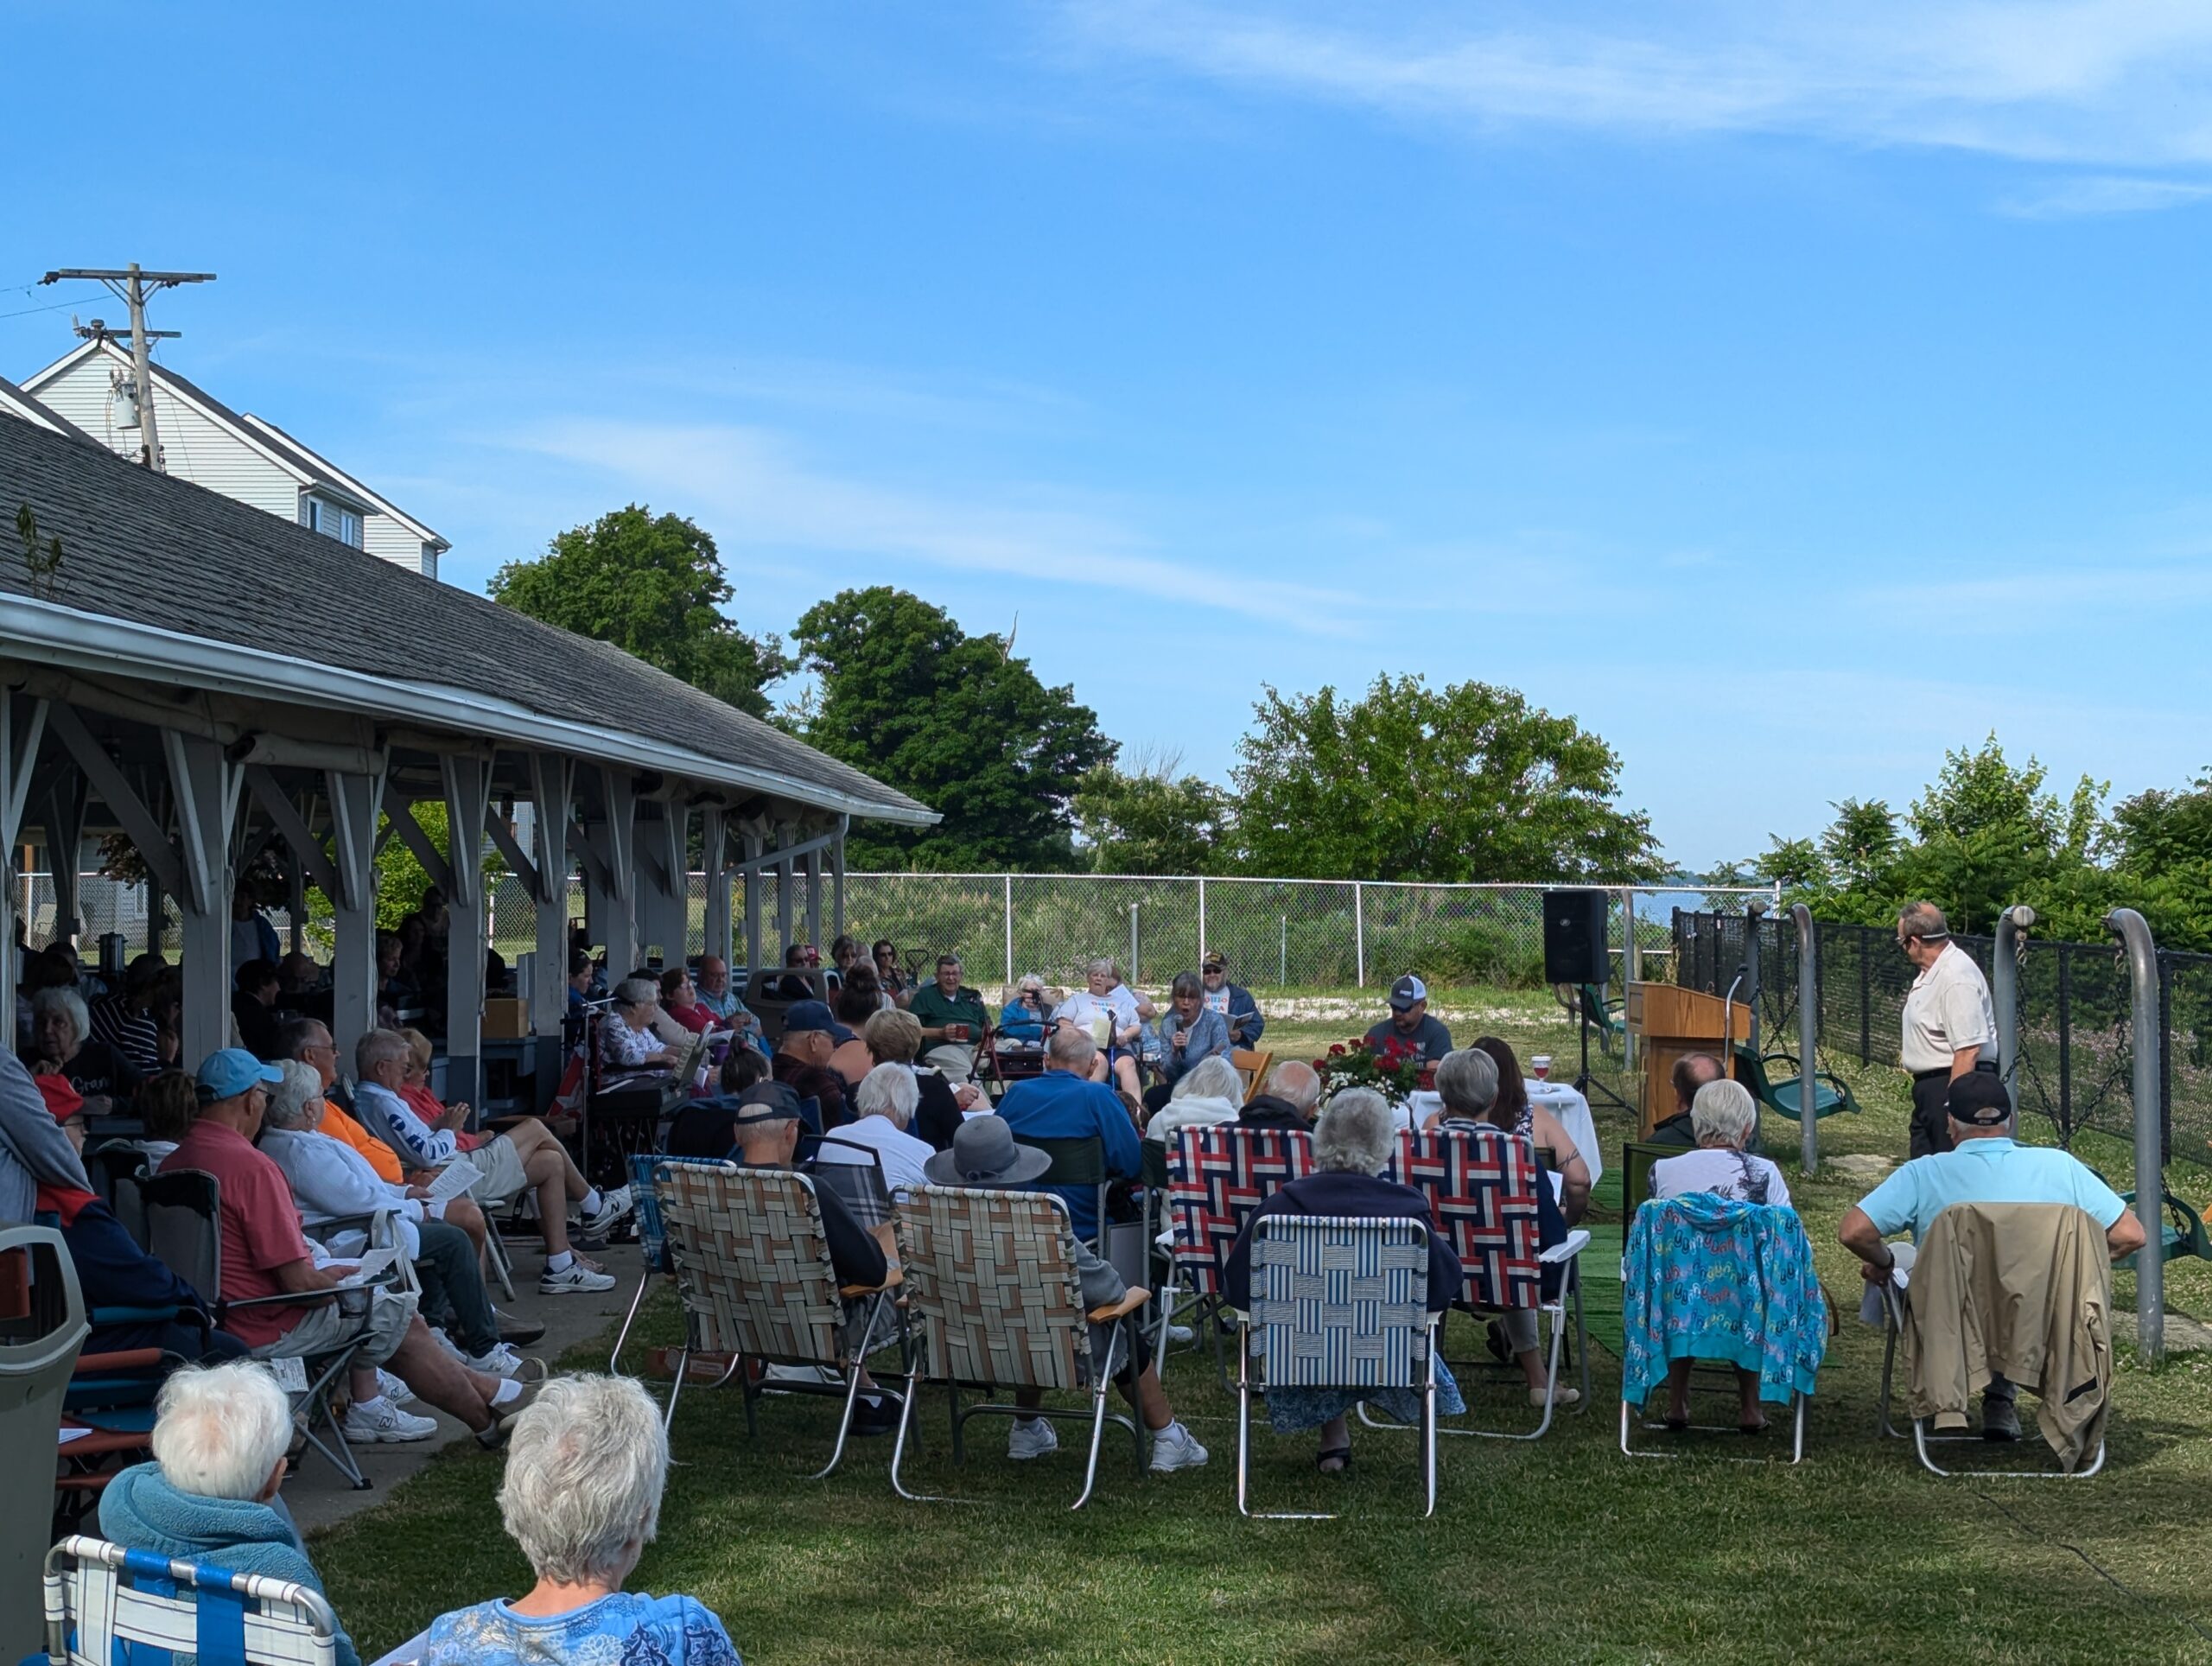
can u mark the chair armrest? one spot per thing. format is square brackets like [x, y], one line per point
[892, 1278]
[130, 1360]
[1575, 1243]
[1130, 1301]
[163, 1315]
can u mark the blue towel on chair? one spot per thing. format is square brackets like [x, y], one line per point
[1710, 1278]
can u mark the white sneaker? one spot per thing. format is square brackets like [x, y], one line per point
[574, 1279]
[1175, 1447]
[1030, 1439]
[613, 1209]
[393, 1389]
[1181, 1336]
[384, 1422]
[497, 1360]
[438, 1336]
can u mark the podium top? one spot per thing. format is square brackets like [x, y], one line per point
[1661, 1010]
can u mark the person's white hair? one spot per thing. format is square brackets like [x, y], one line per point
[1296, 1081]
[1210, 1078]
[1467, 1080]
[1724, 1110]
[220, 1431]
[1106, 965]
[889, 1091]
[379, 1047]
[585, 1469]
[636, 992]
[1355, 1133]
[65, 1001]
[1071, 1046]
[289, 1099]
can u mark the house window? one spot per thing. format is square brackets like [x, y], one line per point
[314, 516]
[340, 524]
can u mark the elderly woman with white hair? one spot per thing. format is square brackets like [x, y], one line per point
[220, 1435]
[1352, 1142]
[62, 1044]
[1210, 1091]
[883, 1107]
[582, 1498]
[1722, 1116]
[629, 1040]
[1115, 1016]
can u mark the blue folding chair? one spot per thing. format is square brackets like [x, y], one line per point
[105, 1604]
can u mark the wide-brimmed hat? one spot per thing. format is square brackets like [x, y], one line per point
[983, 1154]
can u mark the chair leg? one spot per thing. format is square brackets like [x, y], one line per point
[899, 1447]
[844, 1425]
[1243, 1422]
[1428, 1435]
[1581, 1338]
[614, 1359]
[495, 1247]
[683, 1369]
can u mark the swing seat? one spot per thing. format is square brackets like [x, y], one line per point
[1831, 1093]
[2181, 1233]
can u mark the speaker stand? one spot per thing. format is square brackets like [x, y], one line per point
[1583, 1084]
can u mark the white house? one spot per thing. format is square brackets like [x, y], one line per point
[14, 402]
[241, 456]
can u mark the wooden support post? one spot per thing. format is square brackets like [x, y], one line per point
[467, 781]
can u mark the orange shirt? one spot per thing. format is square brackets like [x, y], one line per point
[382, 1158]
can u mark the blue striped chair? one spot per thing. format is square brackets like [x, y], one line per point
[105, 1603]
[1337, 1303]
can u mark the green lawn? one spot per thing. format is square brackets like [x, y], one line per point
[1560, 1551]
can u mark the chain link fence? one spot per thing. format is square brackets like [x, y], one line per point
[2076, 1057]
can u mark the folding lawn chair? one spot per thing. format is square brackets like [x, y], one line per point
[1747, 1294]
[1481, 1186]
[1337, 1303]
[1080, 1162]
[1216, 1176]
[1898, 1319]
[856, 1174]
[1251, 1065]
[751, 1263]
[652, 1245]
[104, 1603]
[995, 1302]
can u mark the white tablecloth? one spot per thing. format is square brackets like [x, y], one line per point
[1558, 1098]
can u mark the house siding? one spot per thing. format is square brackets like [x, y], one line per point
[384, 537]
[193, 448]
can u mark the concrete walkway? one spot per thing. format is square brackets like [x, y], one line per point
[318, 1494]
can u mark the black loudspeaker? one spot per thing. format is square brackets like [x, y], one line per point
[1574, 936]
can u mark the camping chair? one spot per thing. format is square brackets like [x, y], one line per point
[752, 1266]
[999, 1066]
[1216, 1176]
[184, 1231]
[995, 1301]
[1602, 1015]
[111, 1397]
[1252, 1066]
[1636, 1161]
[859, 1181]
[104, 1603]
[652, 1245]
[1481, 1186]
[1643, 1236]
[1080, 1162]
[1831, 1093]
[1337, 1303]
[1895, 1317]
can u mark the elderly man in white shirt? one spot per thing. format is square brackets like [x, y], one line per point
[1950, 1028]
[884, 1101]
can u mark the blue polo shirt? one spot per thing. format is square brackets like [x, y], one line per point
[1994, 1170]
[1060, 1106]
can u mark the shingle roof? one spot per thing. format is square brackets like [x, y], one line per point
[150, 550]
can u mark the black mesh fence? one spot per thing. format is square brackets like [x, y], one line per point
[2076, 1057]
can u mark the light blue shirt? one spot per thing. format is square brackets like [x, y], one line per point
[1986, 1171]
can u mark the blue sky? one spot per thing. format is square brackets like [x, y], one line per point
[1790, 392]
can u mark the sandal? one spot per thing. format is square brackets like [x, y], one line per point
[1341, 1454]
[1678, 1424]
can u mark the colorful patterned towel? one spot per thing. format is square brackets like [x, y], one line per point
[1710, 1278]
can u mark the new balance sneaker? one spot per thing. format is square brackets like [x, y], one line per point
[1175, 1447]
[497, 1360]
[393, 1389]
[574, 1279]
[613, 1210]
[1180, 1335]
[368, 1423]
[1030, 1440]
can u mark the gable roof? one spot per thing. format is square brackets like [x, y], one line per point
[314, 460]
[16, 403]
[166, 580]
[322, 480]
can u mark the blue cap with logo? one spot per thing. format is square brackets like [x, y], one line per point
[227, 1074]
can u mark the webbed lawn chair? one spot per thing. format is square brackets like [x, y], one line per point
[652, 1244]
[1216, 1176]
[995, 1302]
[104, 1603]
[1337, 1303]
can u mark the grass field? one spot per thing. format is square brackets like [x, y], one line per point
[1562, 1550]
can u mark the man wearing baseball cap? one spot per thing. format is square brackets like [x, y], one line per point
[265, 1253]
[1985, 1164]
[1409, 1026]
[811, 1033]
[1232, 1001]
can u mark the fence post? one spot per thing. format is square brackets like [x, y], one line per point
[1282, 957]
[1631, 972]
[1202, 919]
[1752, 911]
[1359, 930]
[2006, 996]
[1808, 1034]
[1133, 943]
[2150, 1167]
[1010, 973]
[1866, 994]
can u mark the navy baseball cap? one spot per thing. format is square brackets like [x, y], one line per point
[227, 1074]
[816, 1015]
[1406, 992]
[1978, 1098]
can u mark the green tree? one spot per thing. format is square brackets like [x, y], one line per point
[953, 720]
[653, 586]
[1467, 782]
[1148, 821]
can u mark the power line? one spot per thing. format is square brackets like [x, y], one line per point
[133, 283]
[74, 300]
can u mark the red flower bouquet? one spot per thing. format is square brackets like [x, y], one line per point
[1394, 1070]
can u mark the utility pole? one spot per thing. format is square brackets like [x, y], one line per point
[133, 286]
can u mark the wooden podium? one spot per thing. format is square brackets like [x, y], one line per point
[1672, 1022]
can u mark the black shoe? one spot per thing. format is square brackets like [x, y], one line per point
[2000, 1419]
[519, 1331]
[871, 1419]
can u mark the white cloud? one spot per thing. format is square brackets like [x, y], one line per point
[2098, 81]
[2100, 194]
[761, 493]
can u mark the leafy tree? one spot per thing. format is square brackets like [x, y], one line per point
[1148, 821]
[653, 586]
[1467, 782]
[953, 720]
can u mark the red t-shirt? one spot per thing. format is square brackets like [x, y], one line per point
[697, 1019]
[261, 1225]
[426, 1105]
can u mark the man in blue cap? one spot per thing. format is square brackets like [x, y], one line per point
[811, 1033]
[266, 1253]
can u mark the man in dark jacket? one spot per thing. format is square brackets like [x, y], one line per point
[1293, 1088]
[1692, 1072]
[1232, 1001]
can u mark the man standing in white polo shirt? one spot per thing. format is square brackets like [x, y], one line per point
[1950, 1028]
